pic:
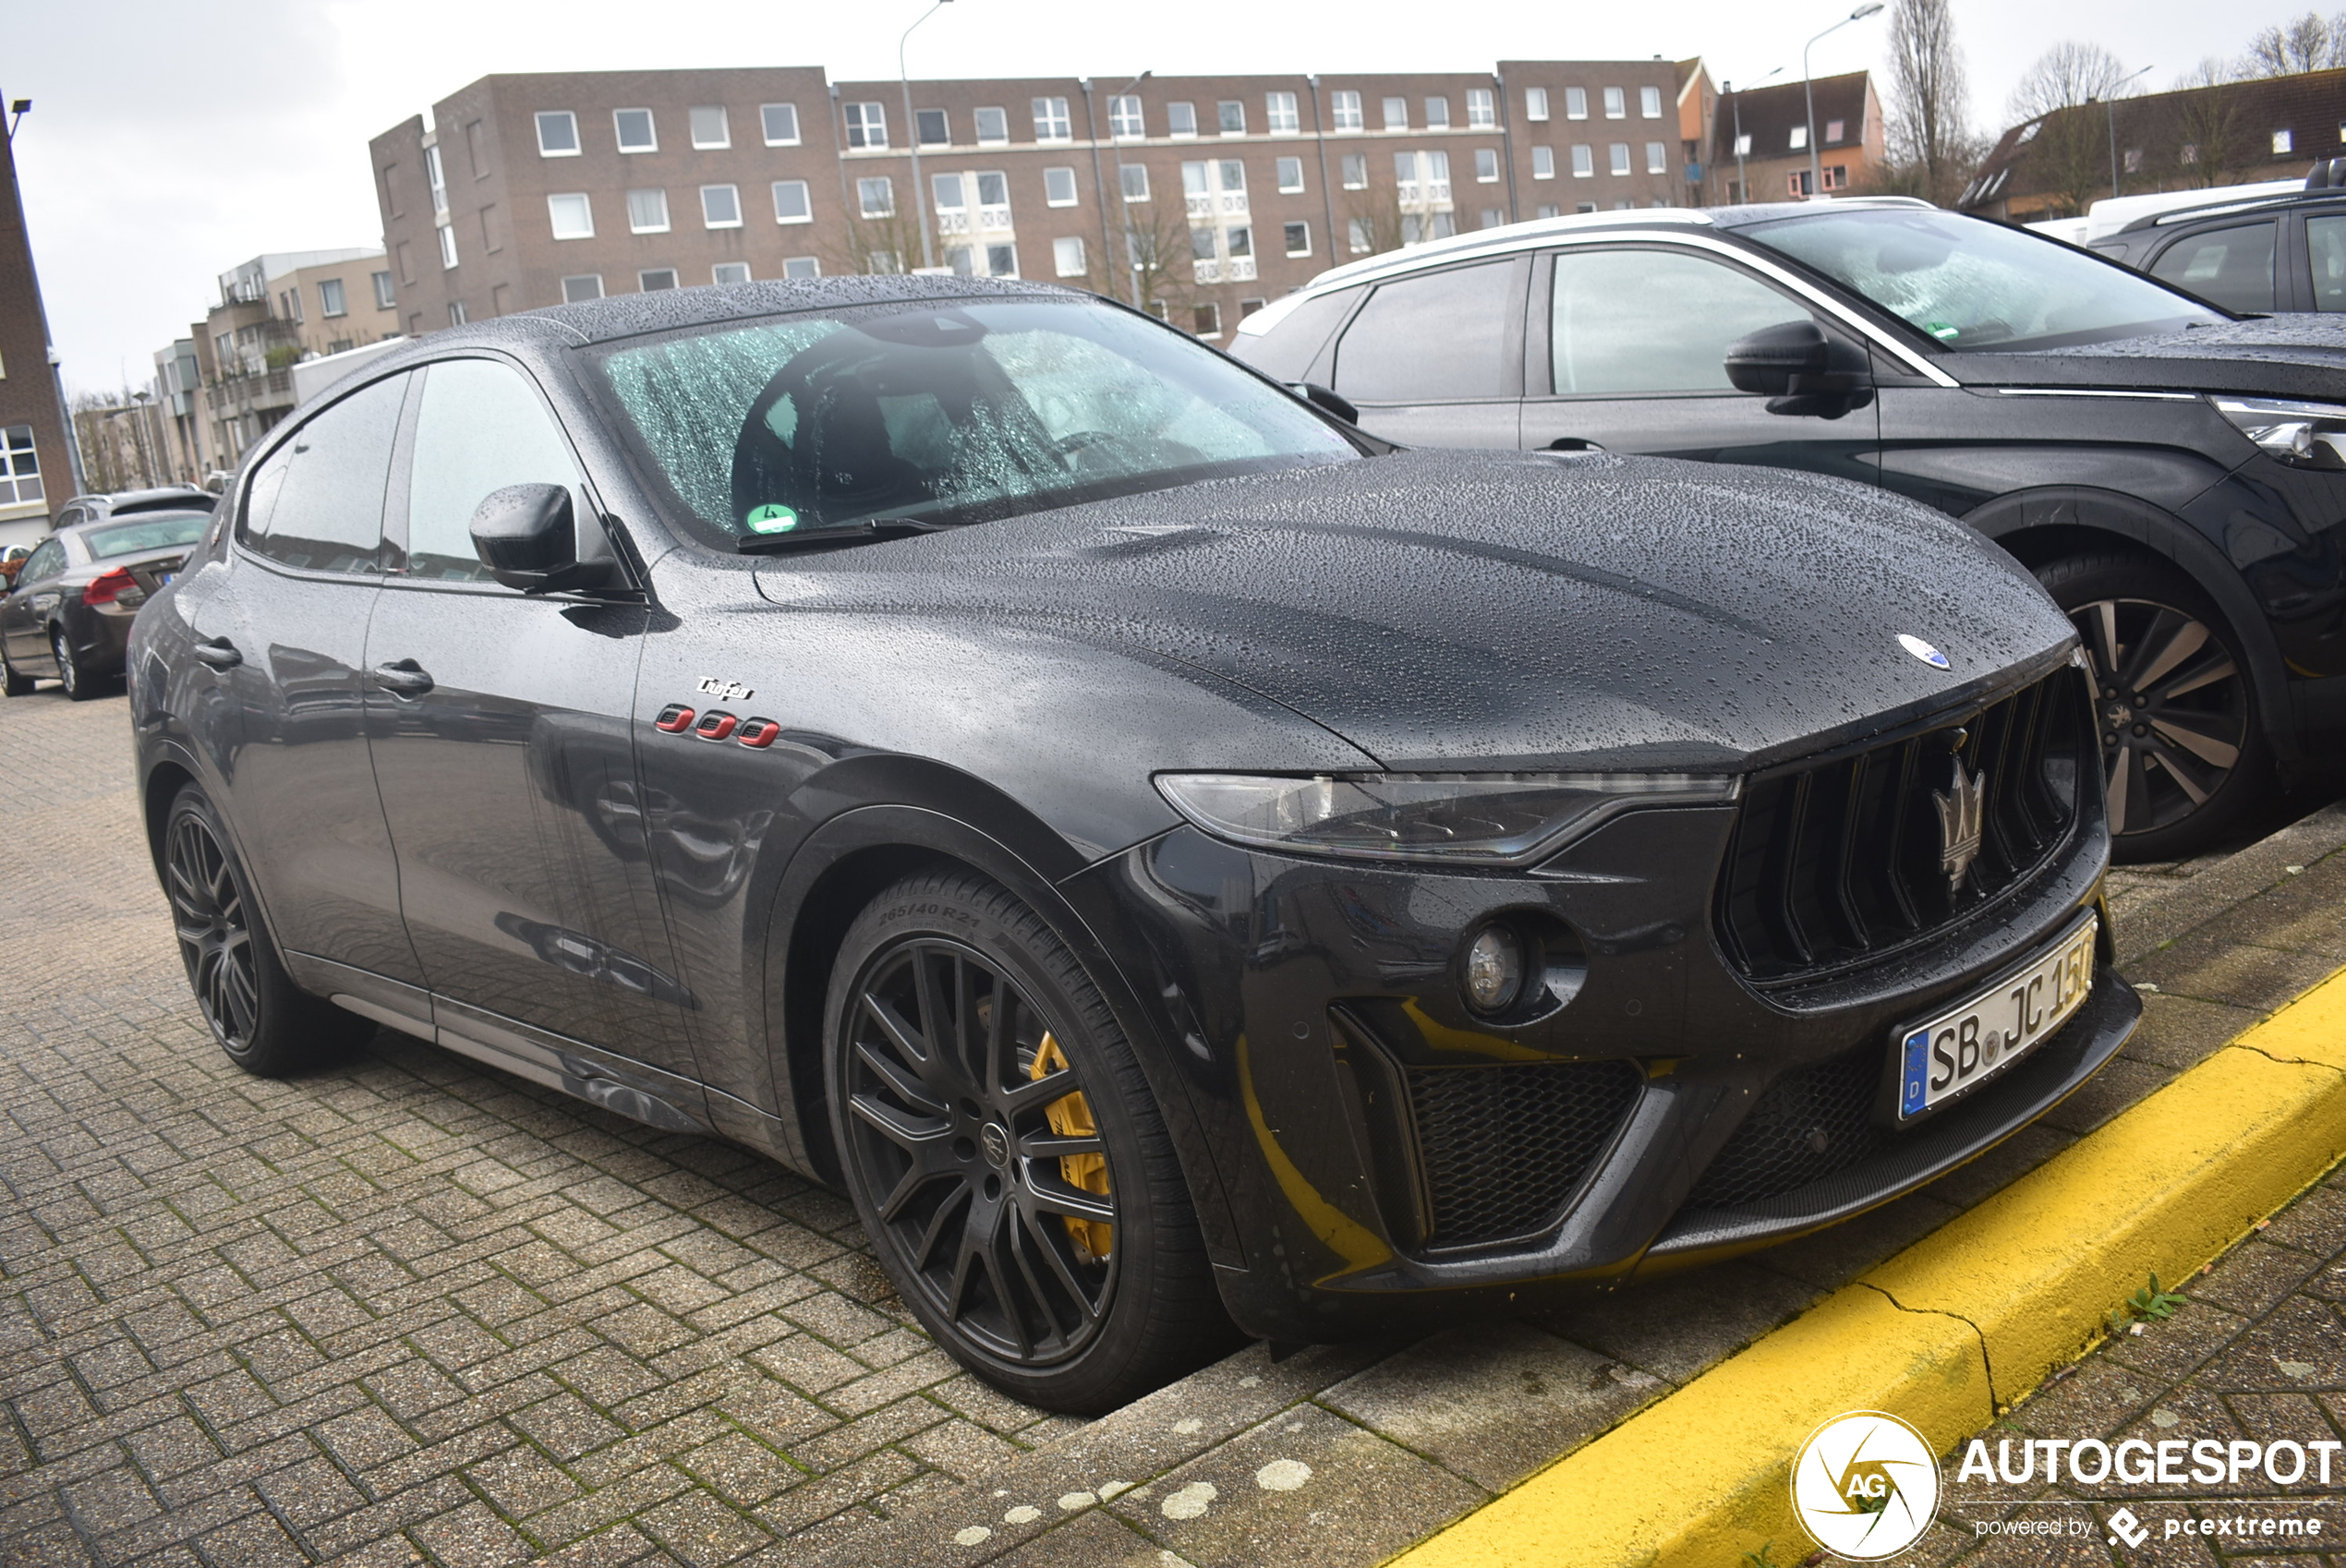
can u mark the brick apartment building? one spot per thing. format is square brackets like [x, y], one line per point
[1851, 139]
[37, 469]
[274, 310]
[1208, 195]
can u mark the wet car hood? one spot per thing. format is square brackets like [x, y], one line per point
[1500, 610]
[2292, 355]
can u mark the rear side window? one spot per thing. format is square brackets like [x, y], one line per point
[317, 502]
[1626, 322]
[1434, 338]
[2233, 267]
[46, 562]
[2325, 251]
[1286, 351]
[482, 428]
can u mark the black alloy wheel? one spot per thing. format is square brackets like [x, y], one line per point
[78, 686]
[2183, 752]
[1018, 1187]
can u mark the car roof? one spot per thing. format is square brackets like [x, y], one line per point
[146, 499]
[2278, 200]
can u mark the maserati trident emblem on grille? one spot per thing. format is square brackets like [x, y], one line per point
[1960, 809]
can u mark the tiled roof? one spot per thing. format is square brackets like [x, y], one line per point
[1770, 113]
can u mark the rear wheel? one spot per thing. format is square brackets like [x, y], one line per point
[14, 682]
[1005, 1155]
[267, 1024]
[2182, 744]
[79, 685]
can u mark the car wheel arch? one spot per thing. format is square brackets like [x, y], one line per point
[2040, 525]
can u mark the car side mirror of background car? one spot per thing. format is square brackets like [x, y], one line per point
[1320, 397]
[1801, 368]
[527, 536]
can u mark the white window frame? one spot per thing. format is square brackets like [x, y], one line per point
[1657, 157]
[1278, 171]
[945, 118]
[1280, 115]
[1437, 103]
[676, 280]
[1576, 102]
[1544, 163]
[1060, 257]
[457, 314]
[860, 118]
[802, 267]
[1483, 111]
[1395, 122]
[1124, 172]
[573, 150]
[1344, 112]
[333, 299]
[594, 278]
[1535, 103]
[732, 194]
[1617, 103]
[1617, 159]
[386, 296]
[864, 185]
[447, 245]
[1486, 158]
[651, 123]
[1051, 121]
[1127, 118]
[724, 127]
[805, 202]
[1175, 113]
[1798, 140]
[1287, 236]
[1073, 196]
[666, 221]
[1222, 117]
[1354, 163]
[1648, 103]
[948, 180]
[1357, 239]
[993, 246]
[717, 274]
[766, 124]
[1584, 161]
[2283, 140]
[1002, 126]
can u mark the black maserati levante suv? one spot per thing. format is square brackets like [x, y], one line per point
[1174, 861]
[2176, 477]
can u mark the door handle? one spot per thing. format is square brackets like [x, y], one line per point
[219, 653]
[403, 677]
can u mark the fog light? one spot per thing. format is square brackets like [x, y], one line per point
[1493, 969]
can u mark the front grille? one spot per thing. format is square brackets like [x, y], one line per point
[1838, 861]
[1503, 1147]
[1811, 1123]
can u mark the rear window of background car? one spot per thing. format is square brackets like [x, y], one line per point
[317, 502]
[2233, 267]
[146, 534]
[2326, 252]
[1651, 321]
[1431, 339]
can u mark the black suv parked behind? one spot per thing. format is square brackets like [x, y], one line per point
[2175, 476]
[2282, 251]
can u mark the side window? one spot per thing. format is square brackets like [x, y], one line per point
[1431, 338]
[482, 428]
[317, 502]
[2233, 267]
[1624, 321]
[2325, 251]
[46, 562]
[1288, 350]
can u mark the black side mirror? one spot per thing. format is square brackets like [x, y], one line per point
[1802, 368]
[527, 536]
[1320, 397]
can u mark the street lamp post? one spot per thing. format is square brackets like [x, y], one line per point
[1743, 185]
[2110, 102]
[1816, 169]
[912, 129]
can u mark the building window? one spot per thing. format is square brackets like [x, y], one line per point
[1493, 218]
[1543, 163]
[1616, 105]
[729, 272]
[1649, 102]
[721, 207]
[1396, 114]
[993, 127]
[1618, 157]
[1486, 165]
[447, 245]
[1837, 176]
[931, 128]
[1437, 113]
[1229, 114]
[329, 297]
[791, 204]
[866, 125]
[1059, 187]
[456, 313]
[1136, 181]
[1207, 319]
[654, 279]
[1549, 210]
[1125, 120]
[946, 191]
[384, 299]
[1001, 261]
[557, 134]
[1833, 131]
[432, 177]
[1051, 123]
[994, 199]
[1299, 239]
[1657, 158]
[1480, 113]
[1344, 110]
[1584, 162]
[877, 196]
[1180, 119]
[585, 286]
[1290, 172]
[19, 467]
[781, 121]
[2283, 141]
[1240, 240]
[1799, 137]
[1355, 171]
[1576, 102]
[2134, 160]
[802, 267]
[1279, 114]
[711, 128]
[1248, 307]
[1067, 256]
[634, 128]
[648, 212]
[1355, 236]
[1535, 103]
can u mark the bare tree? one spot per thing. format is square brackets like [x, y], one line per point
[1931, 146]
[887, 242]
[2309, 44]
[2210, 140]
[2068, 143]
[1161, 258]
[2068, 74]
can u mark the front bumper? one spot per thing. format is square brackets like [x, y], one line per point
[1313, 1005]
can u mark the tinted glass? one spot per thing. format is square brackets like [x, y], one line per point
[950, 412]
[45, 561]
[1651, 320]
[2326, 250]
[1288, 350]
[1431, 339]
[149, 533]
[317, 502]
[1974, 285]
[2233, 267]
[482, 428]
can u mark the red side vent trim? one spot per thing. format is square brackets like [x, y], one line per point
[757, 733]
[715, 725]
[673, 717]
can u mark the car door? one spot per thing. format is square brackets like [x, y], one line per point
[1629, 345]
[2233, 266]
[281, 629]
[24, 617]
[1435, 358]
[500, 730]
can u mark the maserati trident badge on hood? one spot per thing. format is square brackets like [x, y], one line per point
[1922, 650]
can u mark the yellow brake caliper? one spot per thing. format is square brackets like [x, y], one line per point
[1070, 1117]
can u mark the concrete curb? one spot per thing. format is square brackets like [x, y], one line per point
[1954, 1328]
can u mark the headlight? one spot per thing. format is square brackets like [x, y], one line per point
[2303, 435]
[1481, 819]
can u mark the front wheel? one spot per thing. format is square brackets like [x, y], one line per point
[1005, 1155]
[2183, 743]
[14, 682]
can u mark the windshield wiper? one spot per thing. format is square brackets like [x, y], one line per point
[867, 532]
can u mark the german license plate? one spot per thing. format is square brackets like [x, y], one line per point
[1960, 1049]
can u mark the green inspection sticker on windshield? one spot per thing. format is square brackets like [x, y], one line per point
[1940, 331]
[772, 519]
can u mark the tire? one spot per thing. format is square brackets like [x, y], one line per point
[14, 682]
[79, 684]
[268, 1025]
[1068, 1283]
[2182, 738]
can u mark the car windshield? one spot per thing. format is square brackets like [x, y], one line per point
[944, 413]
[149, 532]
[1977, 285]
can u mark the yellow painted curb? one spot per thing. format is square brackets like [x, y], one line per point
[1971, 1317]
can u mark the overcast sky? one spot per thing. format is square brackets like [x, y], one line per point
[172, 139]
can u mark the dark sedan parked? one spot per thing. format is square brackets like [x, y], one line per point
[69, 611]
[1171, 859]
[2177, 479]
